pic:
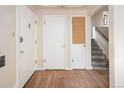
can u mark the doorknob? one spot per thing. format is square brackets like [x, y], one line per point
[21, 52]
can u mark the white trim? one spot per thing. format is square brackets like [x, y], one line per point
[45, 44]
[17, 44]
[36, 41]
[68, 68]
[89, 68]
[43, 57]
[88, 41]
[39, 68]
[15, 86]
[71, 34]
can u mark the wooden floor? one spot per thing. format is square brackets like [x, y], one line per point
[69, 79]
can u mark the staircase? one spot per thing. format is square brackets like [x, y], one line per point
[99, 60]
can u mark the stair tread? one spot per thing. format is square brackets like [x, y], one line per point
[96, 48]
[100, 68]
[96, 51]
[97, 54]
[100, 60]
[99, 64]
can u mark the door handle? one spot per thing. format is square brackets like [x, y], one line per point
[21, 52]
[21, 39]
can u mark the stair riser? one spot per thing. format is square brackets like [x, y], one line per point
[99, 68]
[99, 64]
[95, 49]
[96, 52]
[99, 60]
[94, 44]
[98, 57]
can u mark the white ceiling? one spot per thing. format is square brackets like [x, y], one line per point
[89, 8]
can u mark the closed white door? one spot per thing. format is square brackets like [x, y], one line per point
[78, 47]
[26, 44]
[54, 41]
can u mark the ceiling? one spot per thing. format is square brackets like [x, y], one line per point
[88, 8]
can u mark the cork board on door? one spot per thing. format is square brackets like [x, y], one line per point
[78, 30]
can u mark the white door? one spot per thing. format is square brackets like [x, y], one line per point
[26, 44]
[78, 47]
[54, 41]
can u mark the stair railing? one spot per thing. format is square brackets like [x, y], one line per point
[99, 32]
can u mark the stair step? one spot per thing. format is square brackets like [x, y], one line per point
[98, 56]
[96, 46]
[93, 43]
[95, 63]
[100, 68]
[93, 40]
[100, 60]
[96, 51]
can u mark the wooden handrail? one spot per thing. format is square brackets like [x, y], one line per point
[99, 32]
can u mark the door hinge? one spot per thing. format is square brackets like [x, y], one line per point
[44, 60]
[35, 22]
[35, 61]
[13, 34]
[35, 41]
[72, 60]
[44, 22]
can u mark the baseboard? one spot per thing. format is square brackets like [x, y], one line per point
[68, 68]
[89, 68]
[15, 86]
[38, 69]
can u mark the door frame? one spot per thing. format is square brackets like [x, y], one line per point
[44, 48]
[36, 55]
[71, 33]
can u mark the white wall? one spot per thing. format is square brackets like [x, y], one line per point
[68, 14]
[97, 18]
[116, 46]
[8, 45]
[88, 42]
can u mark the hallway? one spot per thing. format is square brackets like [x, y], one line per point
[39, 38]
[69, 79]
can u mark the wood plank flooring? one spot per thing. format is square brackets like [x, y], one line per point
[69, 79]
